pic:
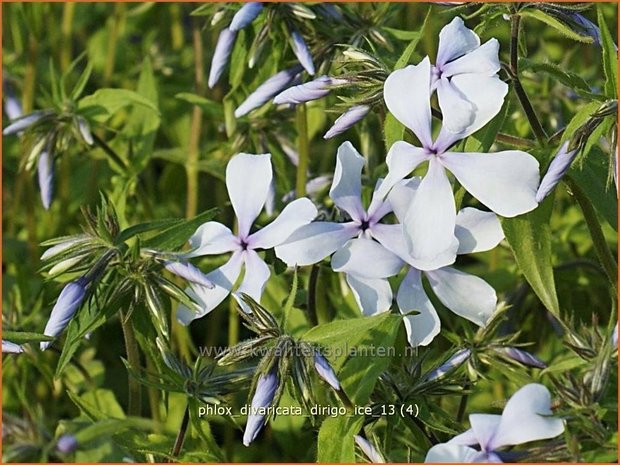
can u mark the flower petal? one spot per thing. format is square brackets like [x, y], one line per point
[485, 93]
[256, 275]
[248, 178]
[267, 90]
[366, 258]
[455, 40]
[223, 278]
[346, 190]
[245, 15]
[484, 427]
[301, 51]
[212, 238]
[347, 120]
[429, 224]
[457, 111]
[223, 49]
[402, 159]
[505, 182]
[451, 453]
[407, 94]
[482, 61]
[45, 173]
[312, 243]
[526, 418]
[424, 326]
[402, 194]
[296, 214]
[466, 295]
[477, 231]
[373, 295]
[9, 347]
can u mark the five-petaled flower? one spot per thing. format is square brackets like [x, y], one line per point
[247, 179]
[526, 417]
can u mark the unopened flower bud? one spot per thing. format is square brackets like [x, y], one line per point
[223, 49]
[452, 363]
[66, 444]
[84, 129]
[347, 120]
[263, 397]
[23, 123]
[67, 304]
[300, 48]
[556, 171]
[11, 348]
[246, 14]
[521, 356]
[307, 92]
[267, 90]
[325, 371]
[45, 175]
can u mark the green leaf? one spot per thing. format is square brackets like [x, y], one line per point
[610, 56]
[177, 235]
[99, 404]
[81, 82]
[19, 337]
[140, 228]
[393, 131]
[406, 55]
[572, 80]
[556, 24]
[591, 175]
[106, 102]
[529, 237]
[111, 426]
[359, 349]
[335, 441]
[202, 102]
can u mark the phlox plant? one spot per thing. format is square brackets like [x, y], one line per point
[310, 232]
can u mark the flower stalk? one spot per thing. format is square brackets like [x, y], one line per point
[303, 149]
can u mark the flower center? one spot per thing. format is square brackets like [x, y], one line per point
[364, 225]
[243, 244]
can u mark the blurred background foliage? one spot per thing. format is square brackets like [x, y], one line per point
[176, 162]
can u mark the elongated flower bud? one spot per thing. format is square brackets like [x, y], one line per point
[267, 90]
[325, 371]
[246, 14]
[302, 52]
[222, 52]
[66, 444]
[614, 336]
[307, 92]
[23, 123]
[12, 108]
[347, 120]
[263, 397]
[66, 264]
[9, 347]
[588, 26]
[452, 363]
[189, 272]
[521, 356]
[368, 449]
[68, 302]
[61, 247]
[84, 129]
[45, 174]
[556, 171]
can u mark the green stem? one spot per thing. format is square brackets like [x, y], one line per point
[191, 166]
[116, 158]
[65, 34]
[530, 113]
[311, 303]
[110, 60]
[303, 149]
[178, 442]
[605, 256]
[133, 358]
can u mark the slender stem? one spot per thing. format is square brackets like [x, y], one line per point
[110, 61]
[530, 113]
[154, 398]
[603, 252]
[133, 357]
[176, 26]
[462, 407]
[311, 303]
[191, 166]
[68, 13]
[178, 442]
[303, 149]
[344, 398]
[116, 158]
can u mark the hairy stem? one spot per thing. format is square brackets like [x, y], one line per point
[530, 113]
[115, 157]
[303, 149]
[311, 303]
[133, 357]
[191, 166]
[178, 442]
